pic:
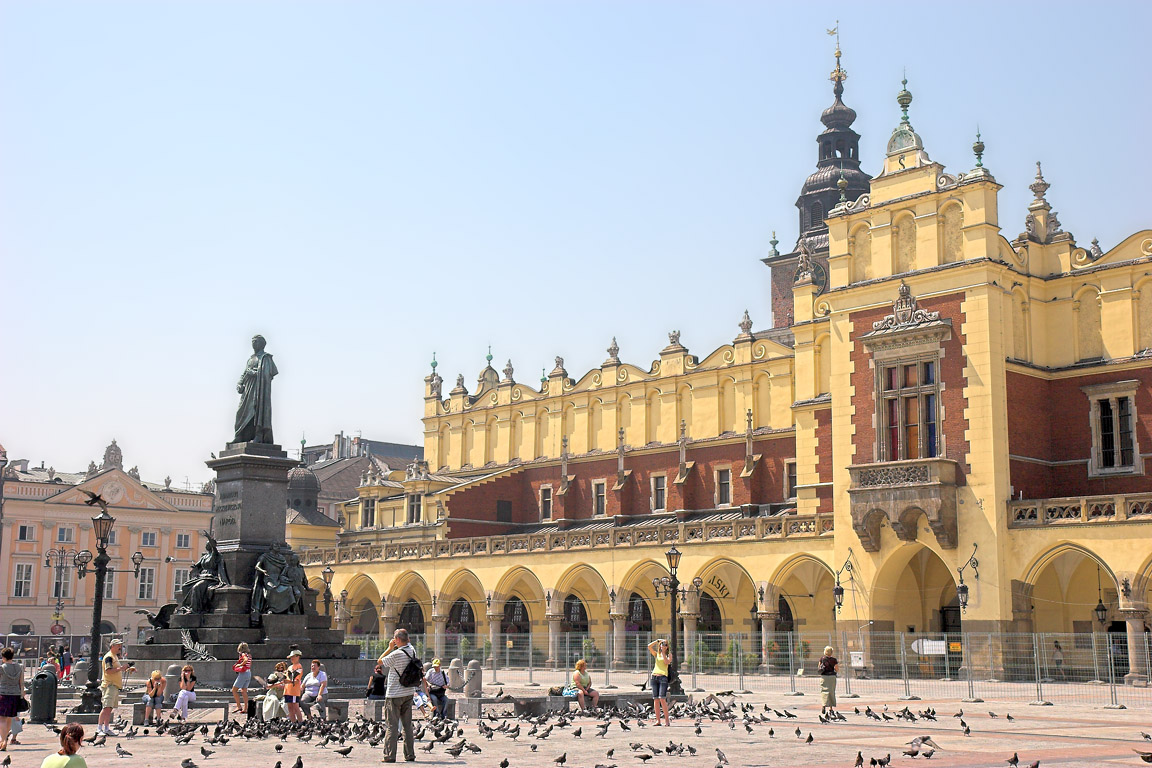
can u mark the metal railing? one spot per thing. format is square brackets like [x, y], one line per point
[1092, 669]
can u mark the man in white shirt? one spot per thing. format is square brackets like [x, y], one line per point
[398, 706]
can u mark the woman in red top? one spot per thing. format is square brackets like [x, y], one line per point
[243, 670]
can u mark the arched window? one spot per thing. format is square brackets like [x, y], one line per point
[516, 619]
[639, 618]
[575, 616]
[785, 623]
[710, 624]
[461, 620]
[411, 618]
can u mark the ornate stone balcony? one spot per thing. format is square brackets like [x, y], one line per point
[1081, 510]
[899, 492]
[661, 532]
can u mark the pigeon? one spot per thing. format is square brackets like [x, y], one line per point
[344, 752]
[721, 759]
[859, 759]
[928, 754]
[299, 762]
[428, 747]
[609, 753]
[643, 757]
[504, 763]
[1009, 718]
[187, 763]
[578, 733]
[1145, 756]
[121, 752]
[1014, 760]
[95, 499]
[278, 747]
[1147, 736]
[206, 752]
[809, 740]
[7, 761]
[561, 760]
[911, 752]
[992, 714]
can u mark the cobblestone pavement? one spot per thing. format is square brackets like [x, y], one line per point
[1055, 735]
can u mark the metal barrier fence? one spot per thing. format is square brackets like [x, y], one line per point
[1110, 670]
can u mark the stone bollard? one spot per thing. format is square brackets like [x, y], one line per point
[456, 674]
[172, 678]
[80, 674]
[473, 686]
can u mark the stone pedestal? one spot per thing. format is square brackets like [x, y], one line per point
[251, 497]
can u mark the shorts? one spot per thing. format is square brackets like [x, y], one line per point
[243, 680]
[156, 702]
[659, 685]
[109, 696]
[291, 699]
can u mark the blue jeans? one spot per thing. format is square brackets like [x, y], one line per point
[439, 701]
[659, 686]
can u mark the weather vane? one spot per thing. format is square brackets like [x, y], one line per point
[839, 74]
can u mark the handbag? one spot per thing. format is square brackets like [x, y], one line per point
[22, 705]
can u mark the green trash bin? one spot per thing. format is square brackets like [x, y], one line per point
[43, 703]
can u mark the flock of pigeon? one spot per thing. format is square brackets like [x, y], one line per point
[455, 738]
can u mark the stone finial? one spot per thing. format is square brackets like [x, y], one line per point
[1096, 250]
[543, 376]
[508, 371]
[435, 382]
[134, 473]
[168, 482]
[434, 363]
[51, 473]
[904, 99]
[113, 457]
[614, 351]
[459, 389]
[559, 369]
[1039, 187]
[978, 149]
[683, 429]
[772, 252]
[674, 338]
[842, 185]
[488, 357]
[748, 419]
[804, 270]
[746, 325]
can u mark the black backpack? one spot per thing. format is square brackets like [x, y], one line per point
[413, 672]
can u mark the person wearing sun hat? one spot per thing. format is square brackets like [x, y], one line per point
[111, 684]
[438, 689]
[293, 687]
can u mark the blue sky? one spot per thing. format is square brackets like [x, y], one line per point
[368, 182]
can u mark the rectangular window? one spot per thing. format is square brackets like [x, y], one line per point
[66, 534]
[599, 503]
[503, 511]
[183, 541]
[368, 516]
[61, 585]
[1115, 444]
[909, 407]
[26, 533]
[546, 503]
[789, 480]
[659, 492]
[148, 539]
[22, 586]
[113, 536]
[723, 487]
[415, 505]
[179, 578]
[147, 590]
[110, 586]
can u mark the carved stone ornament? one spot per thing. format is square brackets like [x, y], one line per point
[804, 269]
[905, 312]
[508, 370]
[674, 339]
[614, 351]
[746, 325]
[435, 383]
[559, 369]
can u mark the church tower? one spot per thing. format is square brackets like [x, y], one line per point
[838, 157]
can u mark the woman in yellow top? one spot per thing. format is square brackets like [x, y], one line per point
[70, 737]
[663, 655]
[582, 682]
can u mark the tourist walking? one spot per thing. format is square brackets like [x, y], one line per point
[187, 693]
[111, 684]
[66, 662]
[154, 696]
[582, 682]
[315, 690]
[660, 679]
[71, 735]
[438, 689]
[1058, 658]
[11, 693]
[243, 670]
[827, 669]
[403, 680]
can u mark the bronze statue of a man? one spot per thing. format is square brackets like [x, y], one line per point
[254, 416]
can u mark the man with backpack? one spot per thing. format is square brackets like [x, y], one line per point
[405, 675]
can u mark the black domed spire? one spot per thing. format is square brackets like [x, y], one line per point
[838, 158]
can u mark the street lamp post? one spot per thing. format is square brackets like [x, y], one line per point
[327, 573]
[59, 560]
[670, 586]
[102, 528]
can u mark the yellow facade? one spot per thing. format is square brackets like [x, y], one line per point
[1016, 476]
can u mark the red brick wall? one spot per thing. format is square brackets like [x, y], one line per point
[783, 277]
[1049, 421]
[955, 424]
[824, 457]
[522, 488]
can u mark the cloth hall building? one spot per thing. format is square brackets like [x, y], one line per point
[951, 419]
